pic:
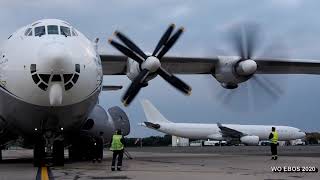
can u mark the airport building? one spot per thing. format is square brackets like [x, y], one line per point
[179, 141]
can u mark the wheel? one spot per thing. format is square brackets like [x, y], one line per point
[58, 153]
[74, 154]
[0, 153]
[38, 153]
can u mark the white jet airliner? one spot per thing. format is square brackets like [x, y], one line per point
[51, 76]
[247, 134]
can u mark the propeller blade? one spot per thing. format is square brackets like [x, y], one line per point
[134, 87]
[131, 45]
[164, 39]
[237, 41]
[267, 88]
[126, 51]
[252, 38]
[174, 81]
[170, 43]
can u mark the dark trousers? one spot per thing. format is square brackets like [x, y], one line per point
[118, 153]
[274, 149]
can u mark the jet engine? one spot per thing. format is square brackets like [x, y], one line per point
[107, 122]
[250, 140]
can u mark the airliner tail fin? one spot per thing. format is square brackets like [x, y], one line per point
[152, 114]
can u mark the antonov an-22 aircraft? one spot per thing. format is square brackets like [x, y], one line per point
[51, 76]
[246, 134]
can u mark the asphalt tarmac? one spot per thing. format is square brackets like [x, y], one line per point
[242, 162]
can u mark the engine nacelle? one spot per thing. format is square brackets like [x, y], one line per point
[107, 122]
[133, 70]
[231, 70]
[215, 137]
[250, 140]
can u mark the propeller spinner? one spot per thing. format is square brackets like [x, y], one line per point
[150, 65]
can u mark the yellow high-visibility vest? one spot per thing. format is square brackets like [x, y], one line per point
[275, 137]
[116, 143]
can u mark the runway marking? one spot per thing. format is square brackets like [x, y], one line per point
[44, 173]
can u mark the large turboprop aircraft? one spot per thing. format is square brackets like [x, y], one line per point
[247, 134]
[51, 76]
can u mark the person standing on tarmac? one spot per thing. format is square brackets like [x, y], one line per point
[274, 143]
[117, 146]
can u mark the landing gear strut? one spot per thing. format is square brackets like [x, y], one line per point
[39, 152]
[0, 153]
[58, 153]
[49, 149]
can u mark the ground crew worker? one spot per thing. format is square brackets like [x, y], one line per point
[274, 143]
[117, 146]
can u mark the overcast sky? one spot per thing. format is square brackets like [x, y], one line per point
[292, 23]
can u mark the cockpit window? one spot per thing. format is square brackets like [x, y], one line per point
[28, 31]
[53, 29]
[39, 31]
[65, 31]
[74, 33]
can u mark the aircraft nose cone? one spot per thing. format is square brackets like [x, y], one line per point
[55, 94]
[54, 58]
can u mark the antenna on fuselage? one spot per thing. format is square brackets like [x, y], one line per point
[96, 44]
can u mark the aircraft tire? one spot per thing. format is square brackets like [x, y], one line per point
[39, 153]
[0, 153]
[58, 153]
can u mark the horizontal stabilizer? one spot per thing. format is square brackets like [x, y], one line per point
[111, 88]
[152, 125]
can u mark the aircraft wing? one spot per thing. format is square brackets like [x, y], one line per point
[117, 65]
[229, 132]
[287, 66]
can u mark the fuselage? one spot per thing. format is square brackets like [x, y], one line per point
[50, 76]
[212, 131]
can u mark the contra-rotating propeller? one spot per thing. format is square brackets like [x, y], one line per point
[260, 90]
[149, 65]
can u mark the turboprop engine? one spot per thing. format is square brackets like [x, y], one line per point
[107, 122]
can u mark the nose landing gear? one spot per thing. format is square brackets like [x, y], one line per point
[0, 153]
[49, 149]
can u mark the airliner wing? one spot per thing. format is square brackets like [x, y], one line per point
[228, 132]
[117, 65]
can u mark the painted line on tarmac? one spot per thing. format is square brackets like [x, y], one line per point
[44, 173]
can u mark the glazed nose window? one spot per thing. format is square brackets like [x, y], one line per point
[52, 29]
